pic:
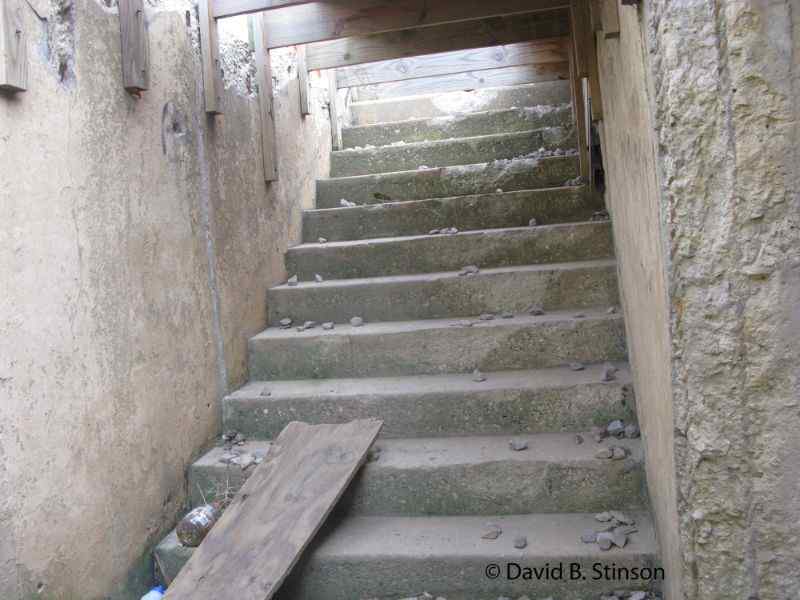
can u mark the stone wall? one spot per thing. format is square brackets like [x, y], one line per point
[710, 271]
[137, 239]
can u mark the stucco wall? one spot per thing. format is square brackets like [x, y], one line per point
[709, 249]
[137, 239]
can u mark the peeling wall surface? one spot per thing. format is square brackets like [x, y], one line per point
[719, 104]
[137, 240]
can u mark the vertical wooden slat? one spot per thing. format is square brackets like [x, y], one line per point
[585, 52]
[135, 53]
[209, 55]
[579, 111]
[265, 102]
[610, 18]
[13, 47]
[302, 80]
[334, 110]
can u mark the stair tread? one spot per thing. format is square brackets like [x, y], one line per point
[441, 275]
[454, 383]
[390, 327]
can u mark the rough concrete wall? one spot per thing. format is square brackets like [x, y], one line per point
[137, 239]
[711, 256]
[725, 80]
[634, 201]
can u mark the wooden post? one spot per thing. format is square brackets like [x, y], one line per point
[209, 56]
[135, 53]
[302, 80]
[13, 47]
[264, 78]
[333, 109]
[610, 17]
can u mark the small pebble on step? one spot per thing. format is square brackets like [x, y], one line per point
[506, 315]
[632, 431]
[638, 596]
[318, 278]
[292, 281]
[487, 317]
[520, 542]
[619, 538]
[492, 531]
[616, 428]
[533, 223]
[518, 445]
[535, 309]
[346, 203]
[604, 453]
[611, 310]
[285, 323]
[434, 231]
[576, 366]
[328, 325]
[478, 376]
[609, 373]
[579, 316]
[621, 517]
[589, 536]
[356, 321]
[309, 324]
[469, 270]
[599, 433]
[265, 393]
[322, 240]
[618, 453]
[604, 517]
[605, 540]
[450, 230]
[578, 439]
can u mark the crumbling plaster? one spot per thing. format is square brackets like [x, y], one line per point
[707, 240]
[137, 240]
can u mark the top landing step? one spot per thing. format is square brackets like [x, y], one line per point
[455, 103]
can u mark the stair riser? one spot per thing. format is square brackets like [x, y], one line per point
[447, 181]
[432, 254]
[489, 211]
[420, 107]
[514, 345]
[440, 412]
[483, 123]
[447, 296]
[347, 163]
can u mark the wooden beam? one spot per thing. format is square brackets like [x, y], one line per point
[333, 19]
[302, 80]
[469, 80]
[209, 56]
[278, 511]
[265, 100]
[609, 15]
[334, 111]
[13, 47]
[439, 38]
[135, 52]
[579, 113]
[525, 53]
[231, 8]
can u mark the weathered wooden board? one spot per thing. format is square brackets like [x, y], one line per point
[333, 19]
[13, 47]
[437, 38]
[471, 80]
[334, 111]
[265, 100]
[135, 53]
[461, 61]
[209, 55]
[609, 16]
[260, 537]
[302, 80]
[230, 8]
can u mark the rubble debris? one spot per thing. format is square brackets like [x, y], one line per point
[618, 453]
[506, 315]
[576, 366]
[239, 440]
[535, 310]
[579, 316]
[616, 428]
[434, 232]
[612, 310]
[228, 457]
[318, 278]
[229, 435]
[619, 538]
[498, 191]
[518, 445]
[621, 517]
[463, 323]
[347, 204]
[328, 325]
[322, 240]
[285, 323]
[578, 439]
[533, 223]
[604, 453]
[601, 215]
[589, 536]
[356, 321]
[194, 527]
[292, 281]
[604, 517]
[264, 393]
[579, 180]
[599, 433]
[244, 460]
[486, 317]
[478, 376]
[609, 373]
[469, 270]
[520, 542]
[449, 230]
[492, 531]
[632, 431]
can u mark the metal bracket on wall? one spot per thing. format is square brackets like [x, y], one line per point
[135, 51]
[13, 47]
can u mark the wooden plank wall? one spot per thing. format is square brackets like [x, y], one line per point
[302, 80]
[13, 47]
[209, 54]
[135, 52]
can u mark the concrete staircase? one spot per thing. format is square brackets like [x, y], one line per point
[413, 520]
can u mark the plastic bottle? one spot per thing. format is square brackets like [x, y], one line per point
[194, 526]
[157, 593]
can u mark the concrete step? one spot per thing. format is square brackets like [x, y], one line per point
[445, 153]
[463, 475]
[457, 126]
[441, 182]
[459, 103]
[437, 346]
[483, 211]
[489, 248]
[535, 401]
[448, 294]
[386, 558]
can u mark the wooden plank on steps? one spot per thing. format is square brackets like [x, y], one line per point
[334, 111]
[13, 47]
[470, 80]
[261, 535]
[461, 61]
[135, 52]
[209, 56]
[333, 19]
[439, 38]
[302, 80]
[265, 100]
